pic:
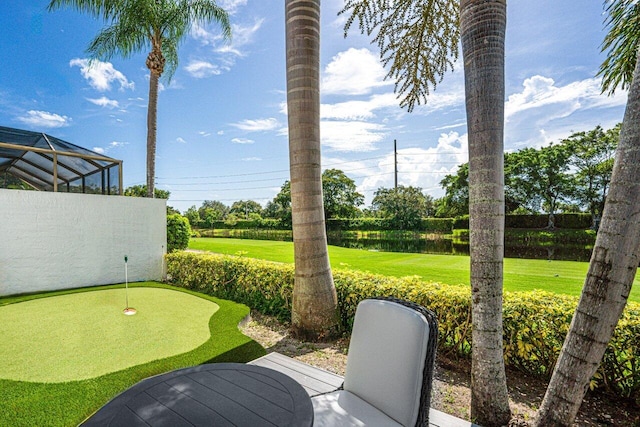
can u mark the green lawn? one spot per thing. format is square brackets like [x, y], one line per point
[65, 354]
[564, 277]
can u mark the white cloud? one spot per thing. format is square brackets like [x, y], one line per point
[251, 159]
[110, 146]
[545, 111]
[257, 125]
[231, 6]
[104, 102]
[45, 119]
[358, 110]
[200, 69]
[181, 140]
[419, 167]
[353, 72]
[100, 74]
[116, 144]
[242, 36]
[539, 91]
[226, 51]
[204, 134]
[242, 141]
[351, 135]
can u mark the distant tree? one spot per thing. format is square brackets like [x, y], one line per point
[341, 199]
[404, 206]
[242, 208]
[9, 181]
[173, 211]
[592, 157]
[280, 206]
[211, 211]
[455, 201]
[143, 25]
[616, 253]
[541, 178]
[193, 216]
[141, 191]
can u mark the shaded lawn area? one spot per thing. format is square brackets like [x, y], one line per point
[41, 386]
[565, 277]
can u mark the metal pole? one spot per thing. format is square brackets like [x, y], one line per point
[129, 311]
[395, 162]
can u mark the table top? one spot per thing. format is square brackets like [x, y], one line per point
[220, 394]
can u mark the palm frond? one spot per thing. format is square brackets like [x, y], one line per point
[418, 41]
[621, 44]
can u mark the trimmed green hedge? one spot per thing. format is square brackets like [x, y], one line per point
[427, 225]
[535, 323]
[261, 223]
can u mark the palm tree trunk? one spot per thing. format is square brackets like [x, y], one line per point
[152, 122]
[482, 29]
[314, 311]
[613, 266]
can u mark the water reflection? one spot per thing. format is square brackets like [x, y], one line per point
[446, 244]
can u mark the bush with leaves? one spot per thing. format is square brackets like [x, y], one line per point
[178, 232]
[535, 323]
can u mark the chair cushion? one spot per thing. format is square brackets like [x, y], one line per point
[386, 358]
[342, 408]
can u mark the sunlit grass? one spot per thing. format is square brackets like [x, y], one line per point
[564, 277]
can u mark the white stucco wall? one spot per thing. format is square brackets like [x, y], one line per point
[54, 241]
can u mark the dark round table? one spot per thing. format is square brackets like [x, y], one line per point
[216, 394]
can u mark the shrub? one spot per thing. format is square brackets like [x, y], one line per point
[178, 232]
[535, 323]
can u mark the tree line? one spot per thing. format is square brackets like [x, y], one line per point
[570, 176]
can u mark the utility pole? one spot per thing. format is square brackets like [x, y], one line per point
[395, 162]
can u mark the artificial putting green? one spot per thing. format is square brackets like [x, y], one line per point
[86, 335]
[61, 404]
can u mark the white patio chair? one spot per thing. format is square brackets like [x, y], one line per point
[389, 368]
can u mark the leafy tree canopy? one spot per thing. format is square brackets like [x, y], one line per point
[404, 206]
[141, 191]
[341, 200]
[243, 208]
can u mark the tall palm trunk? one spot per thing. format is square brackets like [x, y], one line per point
[314, 312]
[613, 266]
[152, 122]
[482, 29]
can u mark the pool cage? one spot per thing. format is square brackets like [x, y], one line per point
[46, 163]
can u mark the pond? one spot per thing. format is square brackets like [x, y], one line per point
[447, 244]
[414, 242]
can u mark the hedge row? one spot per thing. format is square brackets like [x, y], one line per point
[574, 221]
[428, 225]
[535, 323]
[577, 221]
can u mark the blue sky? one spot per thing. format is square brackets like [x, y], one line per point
[222, 124]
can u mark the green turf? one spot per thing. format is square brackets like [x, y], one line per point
[565, 277]
[27, 403]
[86, 335]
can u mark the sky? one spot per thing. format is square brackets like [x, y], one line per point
[222, 121]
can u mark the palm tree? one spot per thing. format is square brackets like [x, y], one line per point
[419, 42]
[314, 312]
[156, 26]
[482, 28]
[616, 253]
